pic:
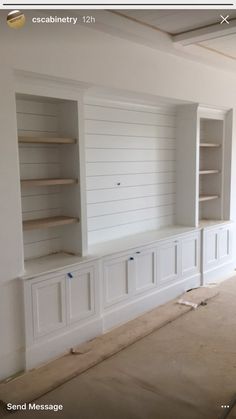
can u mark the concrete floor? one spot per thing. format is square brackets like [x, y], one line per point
[186, 370]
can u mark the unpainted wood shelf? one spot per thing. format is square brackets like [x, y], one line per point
[207, 197]
[46, 140]
[208, 172]
[48, 222]
[210, 145]
[47, 182]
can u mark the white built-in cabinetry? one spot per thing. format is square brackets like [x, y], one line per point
[169, 272]
[129, 274]
[50, 175]
[141, 277]
[125, 205]
[204, 138]
[211, 168]
[218, 249]
[71, 305]
[61, 310]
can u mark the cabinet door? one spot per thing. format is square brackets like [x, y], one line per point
[48, 299]
[224, 244]
[190, 255]
[145, 270]
[211, 249]
[168, 262]
[80, 293]
[117, 279]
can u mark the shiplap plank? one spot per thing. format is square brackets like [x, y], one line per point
[33, 215]
[119, 181]
[123, 168]
[41, 202]
[35, 171]
[112, 220]
[42, 248]
[106, 195]
[32, 236]
[115, 114]
[115, 141]
[94, 155]
[127, 229]
[40, 190]
[113, 207]
[138, 130]
[36, 134]
[39, 123]
[39, 155]
[160, 108]
[36, 107]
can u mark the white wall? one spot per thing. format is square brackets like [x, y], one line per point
[11, 263]
[86, 55]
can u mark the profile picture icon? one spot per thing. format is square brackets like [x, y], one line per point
[16, 19]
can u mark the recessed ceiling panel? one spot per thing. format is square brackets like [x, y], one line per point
[177, 21]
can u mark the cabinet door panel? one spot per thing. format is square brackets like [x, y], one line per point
[48, 305]
[80, 294]
[145, 270]
[224, 244]
[191, 255]
[116, 280]
[211, 248]
[168, 262]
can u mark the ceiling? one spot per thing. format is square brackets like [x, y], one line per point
[177, 21]
[226, 47]
[219, 49]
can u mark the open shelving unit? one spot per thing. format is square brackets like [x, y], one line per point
[49, 169]
[210, 168]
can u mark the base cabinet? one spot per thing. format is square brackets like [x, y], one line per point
[211, 249]
[168, 262]
[178, 259]
[191, 255]
[130, 275]
[48, 306]
[80, 294]
[63, 300]
[145, 274]
[61, 311]
[68, 308]
[225, 244]
[217, 247]
[127, 275]
[116, 279]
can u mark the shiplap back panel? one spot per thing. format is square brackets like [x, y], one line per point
[130, 168]
[36, 118]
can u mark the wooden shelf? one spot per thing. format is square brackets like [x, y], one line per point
[47, 182]
[208, 172]
[210, 145]
[46, 140]
[48, 222]
[207, 197]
